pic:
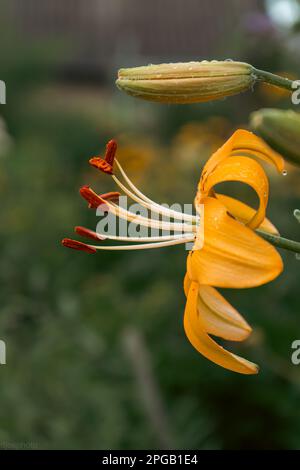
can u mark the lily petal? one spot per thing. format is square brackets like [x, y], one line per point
[232, 254]
[195, 331]
[186, 284]
[244, 213]
[218, 316]
[245, 170]
[244, 141]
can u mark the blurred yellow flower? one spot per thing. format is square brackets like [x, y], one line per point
[195, 141]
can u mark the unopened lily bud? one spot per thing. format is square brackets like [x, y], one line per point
[280, 129]
[190, 82]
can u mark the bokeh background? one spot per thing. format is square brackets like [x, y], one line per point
[96, 353]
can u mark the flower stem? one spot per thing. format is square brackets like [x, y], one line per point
[273, 79]
[280, 242]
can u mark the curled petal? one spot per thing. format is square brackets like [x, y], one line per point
[247, 142]
[232, 254]
[245, 213]
[243, 141]
[198, 337]
[245, 170]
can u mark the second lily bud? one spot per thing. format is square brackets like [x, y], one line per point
[280, 129]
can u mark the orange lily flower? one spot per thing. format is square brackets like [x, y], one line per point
[226, 252]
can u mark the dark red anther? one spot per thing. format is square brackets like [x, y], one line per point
[96, 200]
[101, 165]
[91, 197]
[79, 246]
[87, 233]
[111, 149]
[106, 164]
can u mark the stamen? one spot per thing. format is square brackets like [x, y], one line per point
[75, 245]
[145, 239]
[140, 220]
[106, 164]
[91, 197]
[112, 196]
[187, 217]
[145, 246]
[154, 207]
[96, 200]
[111, 149]
[101, 165]
[87, 233]
[132, 186]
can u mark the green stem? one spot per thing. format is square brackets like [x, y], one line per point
[280, 242]
[273, 79]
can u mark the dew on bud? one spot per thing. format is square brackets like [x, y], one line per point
[186, 82]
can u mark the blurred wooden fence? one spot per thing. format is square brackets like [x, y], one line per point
[103, 32]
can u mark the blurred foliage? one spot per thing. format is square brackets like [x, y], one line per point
[69, 381]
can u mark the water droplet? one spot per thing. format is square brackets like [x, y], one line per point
[284, 172]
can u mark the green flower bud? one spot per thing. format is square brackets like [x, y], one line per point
[280, 129]
[190, 82]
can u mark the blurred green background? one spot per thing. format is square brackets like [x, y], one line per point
[96, 353]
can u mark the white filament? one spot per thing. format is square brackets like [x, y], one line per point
[140, 220]
[148, 202]
[144, 246]
[146, 239]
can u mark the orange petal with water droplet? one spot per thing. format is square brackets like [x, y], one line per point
[243, 141]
